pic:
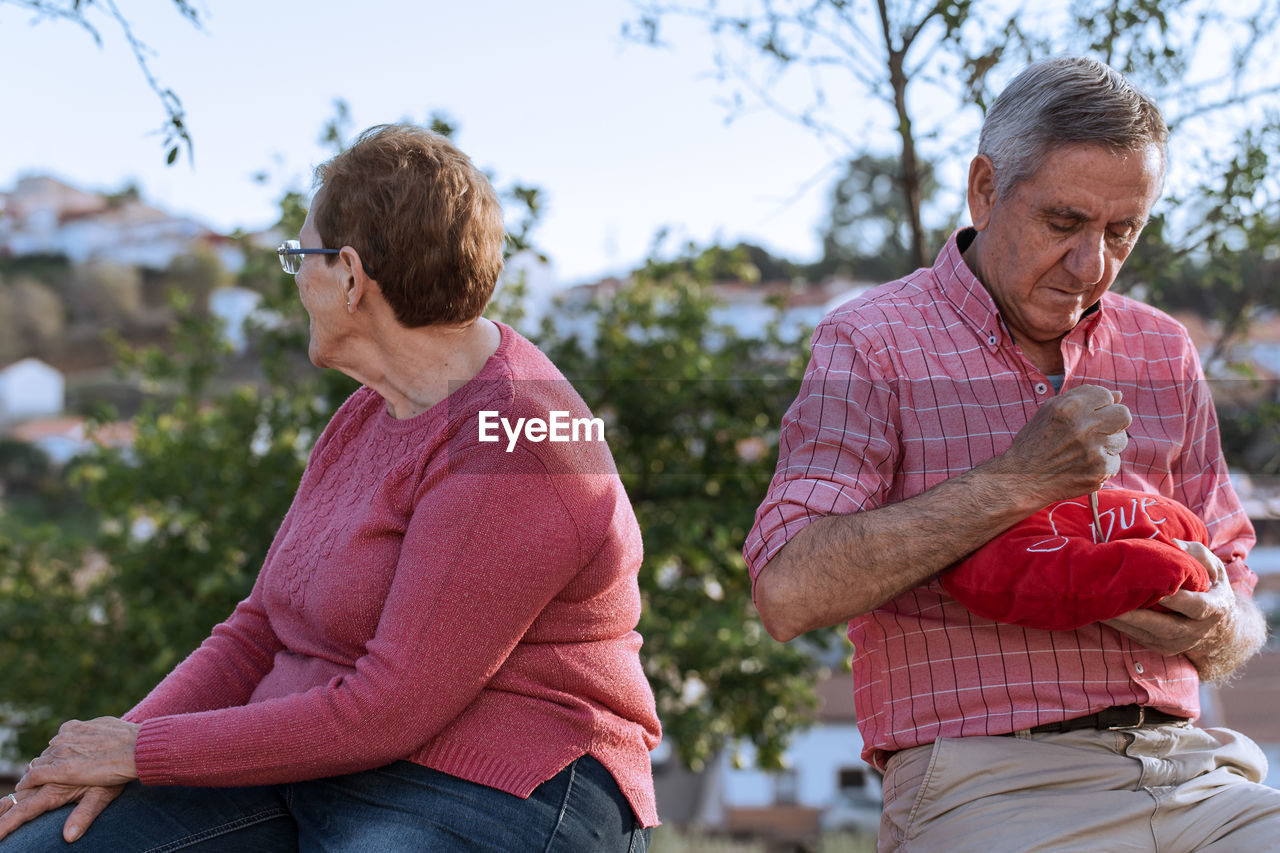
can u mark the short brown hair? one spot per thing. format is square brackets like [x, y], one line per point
[423, 218]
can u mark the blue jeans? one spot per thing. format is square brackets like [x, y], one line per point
[400, 807]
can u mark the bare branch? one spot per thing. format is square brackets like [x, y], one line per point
[175, 129]
[1203, 109]
[44, 10]
[176, 135]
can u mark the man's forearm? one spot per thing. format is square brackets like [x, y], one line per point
[842, 566]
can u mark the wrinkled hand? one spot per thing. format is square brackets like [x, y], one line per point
[1072, 444]
[94, 753]
[34, 802]
[1201, 624]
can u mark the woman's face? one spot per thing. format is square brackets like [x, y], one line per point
[320, 290]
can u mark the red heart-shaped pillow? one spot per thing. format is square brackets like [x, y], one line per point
[1050, 571]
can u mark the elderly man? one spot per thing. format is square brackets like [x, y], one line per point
[942, 408]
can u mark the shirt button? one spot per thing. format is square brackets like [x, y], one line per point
[1041, 388]
[1139, 668]
[991, 339]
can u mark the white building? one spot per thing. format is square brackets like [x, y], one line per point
[30, 389]
[746, 308]
[825, 780]
[826, 785]
[43, 215]
[234, 306]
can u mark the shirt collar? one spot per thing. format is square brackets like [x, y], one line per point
[962, 289]
[974, 304]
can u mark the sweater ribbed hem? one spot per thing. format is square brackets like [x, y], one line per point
[465, 763]
[488, 770]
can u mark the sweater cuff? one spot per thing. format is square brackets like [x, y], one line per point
[151, 751]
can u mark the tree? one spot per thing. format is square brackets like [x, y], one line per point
[883, 51]
[89, 15]
[44, 617]
[927, 71]
[868, 233]
[692, 411]
[1224, 265]
[741, 262]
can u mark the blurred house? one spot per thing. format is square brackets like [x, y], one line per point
[798, 307]
[63, 437]
[826, 785]
[747, 308]
[44, 216]
[234, 306]
[30, 388]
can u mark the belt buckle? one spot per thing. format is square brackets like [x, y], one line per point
[1119, 727]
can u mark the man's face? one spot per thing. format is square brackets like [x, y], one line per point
[1052, 247]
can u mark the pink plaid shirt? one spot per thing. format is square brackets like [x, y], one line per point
[919, 380]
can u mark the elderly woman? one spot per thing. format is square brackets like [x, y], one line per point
[439, 652]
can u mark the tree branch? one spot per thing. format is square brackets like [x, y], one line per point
[176, 135]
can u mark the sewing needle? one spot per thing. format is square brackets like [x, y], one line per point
[1097, 522]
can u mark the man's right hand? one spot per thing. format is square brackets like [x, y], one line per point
[1072, 444]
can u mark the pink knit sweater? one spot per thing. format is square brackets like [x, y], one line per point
[429, 597]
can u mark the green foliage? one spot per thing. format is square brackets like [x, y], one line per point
[1251, 431]
[187, 519]
[32, 491]
[51, 637]
[744, 262]
[1134, 35]
[22, 466]
[1224, 263]
[692, 410]
[186, 515]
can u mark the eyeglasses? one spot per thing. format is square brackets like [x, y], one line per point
[291, 253]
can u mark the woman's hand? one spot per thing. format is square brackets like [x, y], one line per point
[86, 763]
[22, 806]
[96, 753]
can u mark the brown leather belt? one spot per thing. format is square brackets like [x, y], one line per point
[1111, 719]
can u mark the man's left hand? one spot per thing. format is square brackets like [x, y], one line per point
[1204, 626]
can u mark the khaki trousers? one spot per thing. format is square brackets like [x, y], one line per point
[1167, 789]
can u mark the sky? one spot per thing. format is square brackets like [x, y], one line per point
[624, 139]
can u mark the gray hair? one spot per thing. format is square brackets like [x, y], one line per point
[1067, 100]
